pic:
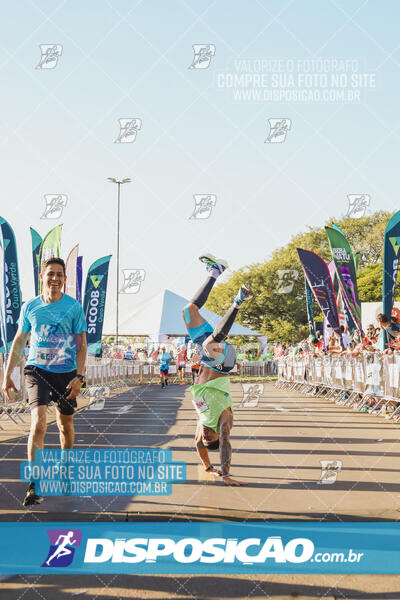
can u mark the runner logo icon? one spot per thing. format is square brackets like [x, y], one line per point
[128, 130]
[358, 204]
[50, 55]
[132, 281]
[203, 205]
[329, 471]
[63, 543]
[287, 278]
[203, 54]
[278, 129]
[251, 395]
[55, 204]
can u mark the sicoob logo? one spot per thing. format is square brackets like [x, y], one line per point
[62, 547]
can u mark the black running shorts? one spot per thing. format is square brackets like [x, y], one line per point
[43, 386]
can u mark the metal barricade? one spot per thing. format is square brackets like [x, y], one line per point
[370, 382]
[251, 368]
[15, 410]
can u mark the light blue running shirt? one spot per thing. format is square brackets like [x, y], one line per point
[164, 359]
[53, 326]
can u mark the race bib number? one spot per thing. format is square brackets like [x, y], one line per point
[200, 405]
[50, 356]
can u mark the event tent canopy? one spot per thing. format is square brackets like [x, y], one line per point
[162, 315]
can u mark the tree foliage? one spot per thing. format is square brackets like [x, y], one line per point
[283, 316]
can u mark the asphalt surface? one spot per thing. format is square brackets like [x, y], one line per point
[277, 448]
[201, 587]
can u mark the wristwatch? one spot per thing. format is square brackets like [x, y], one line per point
[79, 376]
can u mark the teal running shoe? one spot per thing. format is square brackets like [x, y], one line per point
[212, 262]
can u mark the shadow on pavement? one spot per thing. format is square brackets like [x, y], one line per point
[139, 418]
[206, 587]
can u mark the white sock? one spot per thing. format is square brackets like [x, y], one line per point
[214, 272]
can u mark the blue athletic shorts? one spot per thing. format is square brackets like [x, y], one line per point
[199, 334]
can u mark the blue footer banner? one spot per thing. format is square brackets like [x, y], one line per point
[196, 548]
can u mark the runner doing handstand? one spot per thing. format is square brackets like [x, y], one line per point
[211, 392]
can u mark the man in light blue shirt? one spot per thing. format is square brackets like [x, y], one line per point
[164, 358]
[56, 361]
[128, 355]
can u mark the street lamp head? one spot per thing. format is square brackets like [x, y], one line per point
[113, 180]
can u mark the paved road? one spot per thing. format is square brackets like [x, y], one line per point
[277, 449]
[278, 446]
[204, 587]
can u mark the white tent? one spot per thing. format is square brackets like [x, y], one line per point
[162, 315]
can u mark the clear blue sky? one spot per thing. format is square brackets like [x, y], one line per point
[126, 59]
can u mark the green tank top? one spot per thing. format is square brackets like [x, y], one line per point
[211, 399]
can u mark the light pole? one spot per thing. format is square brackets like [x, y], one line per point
[119, 182]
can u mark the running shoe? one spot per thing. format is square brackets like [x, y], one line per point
[31, 497]
[212, 262]
[243, 294]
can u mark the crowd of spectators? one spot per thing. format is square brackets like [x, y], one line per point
[372, 340]
[182, 355]
[382, 339]
[131, 353]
